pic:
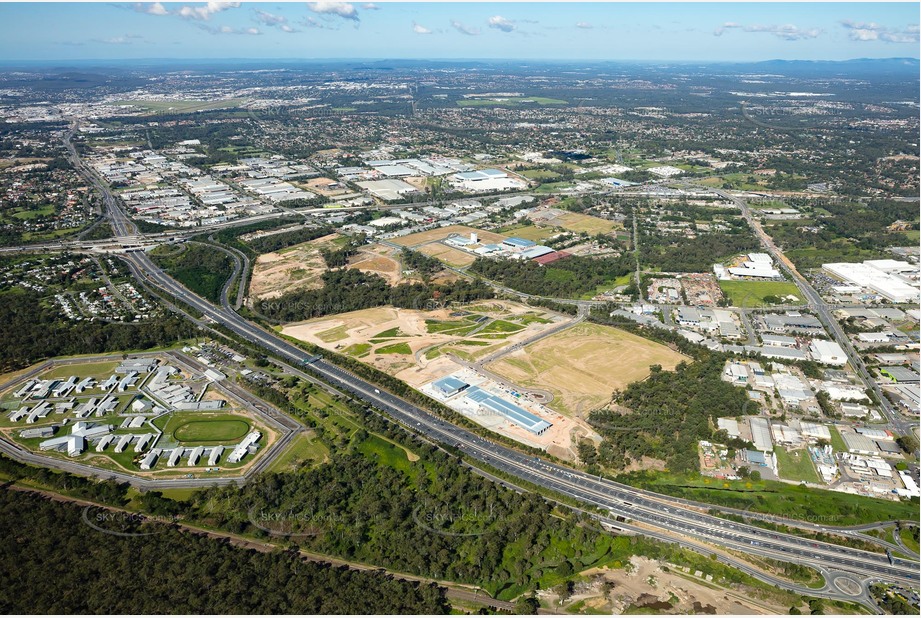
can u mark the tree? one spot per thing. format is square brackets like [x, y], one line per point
[564, 590]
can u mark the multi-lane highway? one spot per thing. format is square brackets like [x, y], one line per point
[639, 511]
[643, 508]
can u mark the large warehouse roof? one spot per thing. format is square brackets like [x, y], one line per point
[516, 414]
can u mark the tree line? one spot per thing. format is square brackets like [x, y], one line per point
[569, 277]
[33, 330]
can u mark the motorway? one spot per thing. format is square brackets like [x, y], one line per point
[647, 513]
[635, 505]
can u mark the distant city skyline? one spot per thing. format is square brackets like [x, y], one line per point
[723, 32]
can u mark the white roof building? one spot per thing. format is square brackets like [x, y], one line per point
[827, 352]
[879, 279]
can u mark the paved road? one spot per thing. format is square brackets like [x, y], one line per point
[644, 512]
[817, 303]
[630, 503]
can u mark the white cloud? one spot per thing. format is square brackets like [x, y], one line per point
[230, 30]
[788, 32]
[370, 6]
[419, 29]
[340, 9]
[272, 20]
[464, 29]
[204, 13]
[860, 31]
[125, 39]
[151, 8]
[584, 25]
[500, 23]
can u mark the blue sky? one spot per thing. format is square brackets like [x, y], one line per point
[528, 30]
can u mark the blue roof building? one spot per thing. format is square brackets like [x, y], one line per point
[510, 411]
[449, 386]
[518, 243]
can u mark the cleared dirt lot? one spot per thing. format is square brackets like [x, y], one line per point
[297, 267]
[574, 221]
[583, 365]
[648, 589]
[302, 266]
[420, 238]
[448, 255]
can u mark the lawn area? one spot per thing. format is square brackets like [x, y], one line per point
[394, 348]
[305, 446]
[358, 350]
[97, 370]
[910, 541]
[500, 326]
[577, 222]
[777, 498]
[538, 174]
[386, 453]
[529, 232]
[211, 430]
[553, 186]
[26, 215]
[333, 334]
[752, 293]
[795, 465]
[837, 442]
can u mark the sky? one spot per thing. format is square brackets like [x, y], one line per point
[727, 31]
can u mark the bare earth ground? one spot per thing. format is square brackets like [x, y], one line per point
[441, 233]
[582, 366]
[352, 333]
[573, 221]
[300, 266]
[649, 589]
[319, 185]
[448, 255]
[380, 260]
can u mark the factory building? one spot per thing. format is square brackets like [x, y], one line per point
[487, 402]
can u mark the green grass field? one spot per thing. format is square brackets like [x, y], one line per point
[305, 446]
[752, 293]
[394, 348]
[529, 232]
[795, 465]
[837, 442]
[97, 370]
[358, 350]
[211, 431]
[776, 498]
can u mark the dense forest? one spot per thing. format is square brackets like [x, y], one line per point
[56, 564]
[690, 255]
[570, 277]
[282, 240]
[844, 231]
[33, 331]
[350, 290]
[432, 517]
[423, 265]
[202, 269]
